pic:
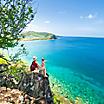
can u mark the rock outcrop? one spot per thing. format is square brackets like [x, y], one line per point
[35, 85]
[31, 84]
[7, 81]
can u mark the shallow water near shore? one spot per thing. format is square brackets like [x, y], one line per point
[77, 63]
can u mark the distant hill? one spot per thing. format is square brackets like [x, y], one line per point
[31, 35]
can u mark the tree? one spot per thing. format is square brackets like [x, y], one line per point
[14, 16]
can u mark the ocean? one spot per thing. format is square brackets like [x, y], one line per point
[77, 62]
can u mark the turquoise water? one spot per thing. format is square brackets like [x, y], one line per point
[78, 63]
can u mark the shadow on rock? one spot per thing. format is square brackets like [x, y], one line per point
[35, 85]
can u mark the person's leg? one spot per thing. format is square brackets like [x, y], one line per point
[36, 70]
[44, 71]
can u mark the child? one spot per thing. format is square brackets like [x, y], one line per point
[43, 67]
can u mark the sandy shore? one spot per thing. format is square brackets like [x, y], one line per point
[31, 39]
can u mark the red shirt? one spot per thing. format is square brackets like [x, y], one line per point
[34, 63]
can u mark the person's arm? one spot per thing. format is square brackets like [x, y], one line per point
[38, 65]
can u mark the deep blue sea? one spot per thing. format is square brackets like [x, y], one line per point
[78, 63]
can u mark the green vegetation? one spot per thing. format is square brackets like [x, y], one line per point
[31, 35]
[17, 69]
[14, 16]
[2, 61]
[13, 68]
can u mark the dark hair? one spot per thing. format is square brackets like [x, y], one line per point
[43, 59]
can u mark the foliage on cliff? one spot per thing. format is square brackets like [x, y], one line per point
[31, 35]
[14, 17]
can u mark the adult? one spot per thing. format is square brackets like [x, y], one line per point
[35, 66]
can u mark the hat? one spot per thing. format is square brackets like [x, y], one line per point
[34, 57]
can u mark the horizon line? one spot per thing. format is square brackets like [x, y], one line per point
[87, 36]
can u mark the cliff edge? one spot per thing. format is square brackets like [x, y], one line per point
[33, 85]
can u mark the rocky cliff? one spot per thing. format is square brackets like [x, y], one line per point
[37, 86]
[31, 84]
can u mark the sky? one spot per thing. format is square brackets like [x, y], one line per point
[69, 17]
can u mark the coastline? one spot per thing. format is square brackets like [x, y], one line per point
[75, 87]
[32, 39]
[32, 35]
[77, 90]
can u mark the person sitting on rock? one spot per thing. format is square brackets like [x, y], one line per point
[43, 67]
[35, 66]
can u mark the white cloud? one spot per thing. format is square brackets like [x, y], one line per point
[47, 22]
[89, 16]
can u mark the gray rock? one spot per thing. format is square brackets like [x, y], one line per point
[7, 81]
[35, 85]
